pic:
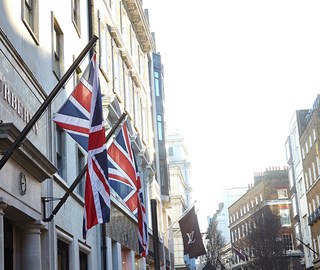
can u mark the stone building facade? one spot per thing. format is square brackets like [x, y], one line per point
[181, 194]
[38, 43]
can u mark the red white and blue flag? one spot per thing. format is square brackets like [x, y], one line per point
[81, 116]
[125, 180]
[239, 254]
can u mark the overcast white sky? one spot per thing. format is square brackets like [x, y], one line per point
[235, 72]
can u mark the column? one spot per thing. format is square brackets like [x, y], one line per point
[109, 253]
[31, 246]
[116, 256]
[2, 207]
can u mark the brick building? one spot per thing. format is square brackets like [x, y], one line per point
[270, 189]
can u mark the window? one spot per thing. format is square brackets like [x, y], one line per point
[310, 209]
[170, 151]
[162, 175]
[282, 193]
[81, 162]
[60, 146]
[8, 244]
[128, 91]
[75, 7]
[300, 186]
[310, 177]
[30, 17]
[117, 65]
[57, 49]
[294, 205]
[159, 125]
[105, 51]
[287, 240]
[77, 74]
[83, 260]
[306, 180]
[285, 217]
[314, 171]
[157, 83]
[63, 255]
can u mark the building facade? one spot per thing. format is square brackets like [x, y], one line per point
[179, 169]
[230, 195]
[270, 189]
[309, 144]
[37, 45]
[297, 186]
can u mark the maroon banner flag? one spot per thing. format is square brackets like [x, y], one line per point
[191, 235]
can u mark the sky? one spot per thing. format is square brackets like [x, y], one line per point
[234, 74]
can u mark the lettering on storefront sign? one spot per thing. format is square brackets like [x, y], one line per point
[15, 103]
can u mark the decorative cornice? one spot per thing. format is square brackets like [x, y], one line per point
[141, 24]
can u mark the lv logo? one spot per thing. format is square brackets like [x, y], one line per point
[191, 237]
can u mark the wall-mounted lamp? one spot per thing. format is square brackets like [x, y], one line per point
[23, 183]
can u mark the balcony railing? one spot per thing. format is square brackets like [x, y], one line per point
[312, 219]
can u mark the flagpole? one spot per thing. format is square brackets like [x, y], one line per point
[16, 144]
[77, 180]
[155, 234]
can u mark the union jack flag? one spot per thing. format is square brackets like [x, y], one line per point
[124, 178]
[81, 117]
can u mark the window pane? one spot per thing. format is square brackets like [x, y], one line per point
[83, 260]
[28, 13]
[63, 255]
[81, 164]
[60, 150]
[159, 124]
[285, 217]
[157, 83]
[282, 193]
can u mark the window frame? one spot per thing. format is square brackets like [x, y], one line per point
[57, 48]
[160, 127]
[75, 15]
[157, 88]
[60, 152]
[282, 193]
[81, 185]
[64, 262]
[283, 218]
[33, 12]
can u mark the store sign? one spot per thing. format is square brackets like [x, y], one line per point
[16, 104]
